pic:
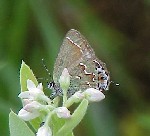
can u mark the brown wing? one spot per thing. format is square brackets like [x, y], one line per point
[77, 56]
[69, 56]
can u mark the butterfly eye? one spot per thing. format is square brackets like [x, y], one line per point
[51, 84]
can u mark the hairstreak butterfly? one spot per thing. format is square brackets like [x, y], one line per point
[85, 69]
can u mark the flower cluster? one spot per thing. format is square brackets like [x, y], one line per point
[37, 104]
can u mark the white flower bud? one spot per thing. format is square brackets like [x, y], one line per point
[64, 79]
[93, 95]
[26, 101]
[62, 112]
[26, 116]
[32, 87]
[32, 106]
[40, 87]
[44, 131]
[33, 92]
[78, 95]
[32, 95]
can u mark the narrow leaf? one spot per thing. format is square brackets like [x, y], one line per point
[26, 73]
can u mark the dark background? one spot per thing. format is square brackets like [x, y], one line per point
[118, 31]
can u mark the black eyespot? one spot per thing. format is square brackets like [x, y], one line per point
[103, 78]
[106, 73]
[99, 72]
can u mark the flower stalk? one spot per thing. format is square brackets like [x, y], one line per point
[64, 84]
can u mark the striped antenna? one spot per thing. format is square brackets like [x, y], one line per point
[117, 84]
[43, 62]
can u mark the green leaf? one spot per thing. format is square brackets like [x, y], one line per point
[18, 127]
[26, 73]
[76, 118]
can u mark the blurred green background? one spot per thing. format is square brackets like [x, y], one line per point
[118, 31]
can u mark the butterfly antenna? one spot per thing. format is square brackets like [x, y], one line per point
[117, 84]
[43, 62]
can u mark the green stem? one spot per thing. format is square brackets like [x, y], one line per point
[64, 96]
[48, 119]
[76, 118]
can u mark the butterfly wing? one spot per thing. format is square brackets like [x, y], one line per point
[79, 58]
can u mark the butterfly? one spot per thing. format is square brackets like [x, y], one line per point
[85, 69]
